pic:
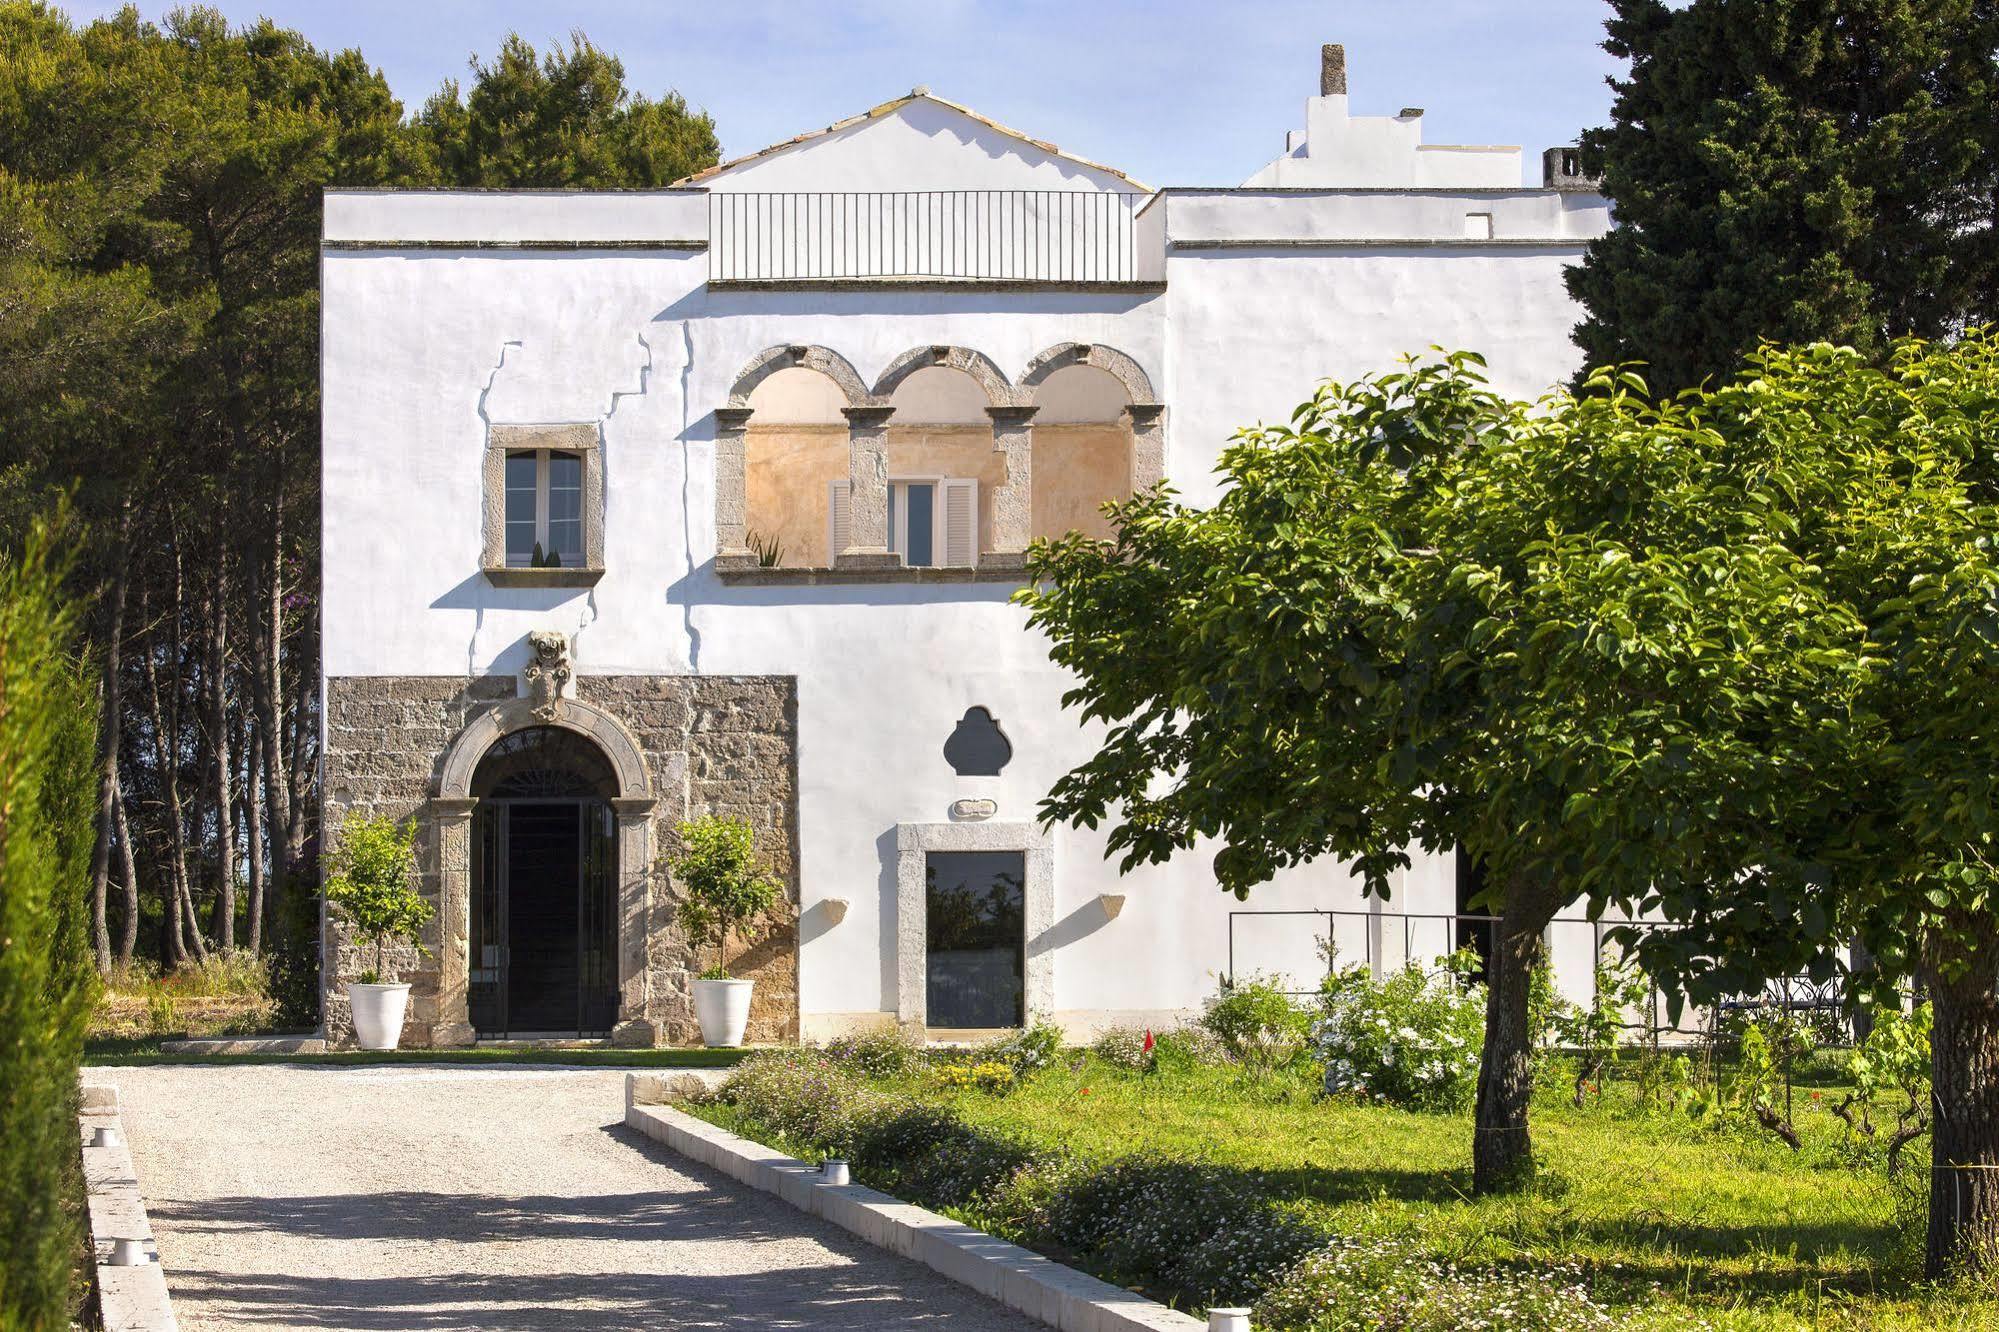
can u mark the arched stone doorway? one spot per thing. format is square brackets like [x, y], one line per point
[544, 924]
[543, 821]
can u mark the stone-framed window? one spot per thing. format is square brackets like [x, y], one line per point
[914, 844]
[544, 505]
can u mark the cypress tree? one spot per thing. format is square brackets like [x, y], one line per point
[1792, 171]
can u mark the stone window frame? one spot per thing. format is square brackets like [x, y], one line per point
[579, 437]
[869, 413]
[913, 844]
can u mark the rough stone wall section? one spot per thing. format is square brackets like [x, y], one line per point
[712, 744]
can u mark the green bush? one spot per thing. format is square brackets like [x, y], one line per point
[1410, 1038]
[48, 735]
[1258, 1024]
[889, 1053]
[370, 886]
[1370, 1283]
[1033, 1047]
[728, 889]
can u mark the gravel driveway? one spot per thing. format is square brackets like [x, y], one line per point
[440, 1197]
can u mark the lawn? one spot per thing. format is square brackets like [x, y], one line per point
[1673, 1224]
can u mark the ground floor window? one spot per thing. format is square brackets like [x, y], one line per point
[976, 938]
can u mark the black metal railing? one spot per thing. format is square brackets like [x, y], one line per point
[1386, 940]
[971, 236]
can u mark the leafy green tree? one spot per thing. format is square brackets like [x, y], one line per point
[368, 883]
[1421, 615]
[728, 890]
[563, 119]
[1791, 170]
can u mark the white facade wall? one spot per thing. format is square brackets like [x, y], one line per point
[433, 337]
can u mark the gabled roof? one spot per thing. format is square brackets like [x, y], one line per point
[918, 94]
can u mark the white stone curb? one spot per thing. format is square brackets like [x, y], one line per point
[1059, 1296]
[129, 1299]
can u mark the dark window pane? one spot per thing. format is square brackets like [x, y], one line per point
[975, 938]
[922, 505]
[520, 506]
[566, 540]
[565, 471]
[520, 472]
[520, 544]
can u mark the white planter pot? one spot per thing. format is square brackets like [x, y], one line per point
[723, 1006]
[378, 1014]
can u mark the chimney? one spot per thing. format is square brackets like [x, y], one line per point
[1562, 169]
[1332, 70]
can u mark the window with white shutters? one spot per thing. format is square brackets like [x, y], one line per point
[960, 523]
[931, 521]
[836, 520]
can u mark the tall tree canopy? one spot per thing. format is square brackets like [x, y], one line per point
[1791, 170]
[566, 119]
[160, 194]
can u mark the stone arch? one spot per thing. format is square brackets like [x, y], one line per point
[988, 376]
[1137, 384]
[607, 732]
[773, 359]
[451, 817]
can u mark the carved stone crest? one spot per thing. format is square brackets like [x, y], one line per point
[548, 671]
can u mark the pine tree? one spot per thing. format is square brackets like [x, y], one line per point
[1793, 170]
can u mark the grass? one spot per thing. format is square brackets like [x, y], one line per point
[219, 997]
[1678, 1225]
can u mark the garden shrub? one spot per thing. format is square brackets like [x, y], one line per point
[1187, 1048]
[1024, 1051]
[1193, 1231]
[800, 1096]
[1410, 1039]
[1597, 1032]
[1374, 1284]
[48, 738]
[1124, 1047]
[1258, 1024]
[1895, 1058]
[888, 1053]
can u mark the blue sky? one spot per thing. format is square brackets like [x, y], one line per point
[1176, 92]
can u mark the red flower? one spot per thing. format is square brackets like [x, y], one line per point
[1148, 1040]
[1082, 1091]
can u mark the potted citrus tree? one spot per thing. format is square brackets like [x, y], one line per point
[728, 893]
[370, 888]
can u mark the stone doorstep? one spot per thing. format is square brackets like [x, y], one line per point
[1059, 1296]
[129, 1299]
[245, 1045]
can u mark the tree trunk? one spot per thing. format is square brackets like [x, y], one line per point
[1964, 1087]
[218, 711]
[108, 741]
[271, 701]
[1502, 1148]
[129, 864]
[253, 841]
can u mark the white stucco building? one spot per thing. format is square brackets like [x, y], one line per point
[753, 460]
